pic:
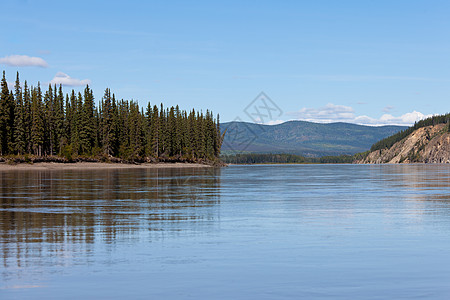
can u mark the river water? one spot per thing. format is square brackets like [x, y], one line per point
[241, 232]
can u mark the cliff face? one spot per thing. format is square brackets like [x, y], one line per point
[429, 144]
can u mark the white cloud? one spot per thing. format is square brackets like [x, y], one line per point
[274, 122]
[23, 61]
[408, 118]
[340, 113]
[64, 79]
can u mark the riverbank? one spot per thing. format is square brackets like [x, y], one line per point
[95, 165]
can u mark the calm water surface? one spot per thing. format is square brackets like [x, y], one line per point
[242, 232]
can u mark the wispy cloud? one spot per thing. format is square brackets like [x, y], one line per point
[23, 61]
[64, 79]
[45, 52]
[388, 108]
[341, 113]
[325, 114]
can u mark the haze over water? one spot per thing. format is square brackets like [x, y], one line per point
[241, 232]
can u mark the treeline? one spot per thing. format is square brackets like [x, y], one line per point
[390, 141]
[34, 122]
[265, 158]
[260, 158]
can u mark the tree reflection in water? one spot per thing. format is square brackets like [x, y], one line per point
[55, 214]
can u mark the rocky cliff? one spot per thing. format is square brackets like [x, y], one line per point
[430, 144]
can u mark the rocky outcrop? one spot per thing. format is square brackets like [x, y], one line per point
[429, 144]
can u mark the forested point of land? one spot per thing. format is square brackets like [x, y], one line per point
[70, 127]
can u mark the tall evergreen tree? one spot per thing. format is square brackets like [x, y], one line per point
[27, 117]
[72, 121]
[19, 124]
[48, 120]
[156, 130]
[136, 131]
[88, 122]
[107, 126]
[60, 138]
[148, 131]
[80, 134]
[37, 128]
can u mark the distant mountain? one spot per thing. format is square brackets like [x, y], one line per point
[303, 138]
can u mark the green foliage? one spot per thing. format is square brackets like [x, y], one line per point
[70, 126]
[67, 152]
[360, 156]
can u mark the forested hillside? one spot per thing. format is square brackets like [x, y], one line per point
[51, 123]
[427, 141]
[391, 140]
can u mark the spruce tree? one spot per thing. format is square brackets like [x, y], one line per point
[19, 132]
[37, 128]
[72, 111]
[27, 117]
[162, 131]
[193, 135]
[156, 131]
[115, 128]
[60, 139]
[178, 138]
[80, 134]
[218, 139]
[136, 130]
[108, 125]
[48, 121]
[148, 130]
[88, 121]
[171, 132]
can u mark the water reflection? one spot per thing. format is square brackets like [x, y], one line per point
[422, 184]
[348, 231]
[55, 214]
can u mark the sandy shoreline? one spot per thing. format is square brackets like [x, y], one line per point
[95, 165]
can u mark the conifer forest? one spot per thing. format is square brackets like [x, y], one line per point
[39, 123]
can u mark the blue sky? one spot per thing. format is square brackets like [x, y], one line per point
[367, 62]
